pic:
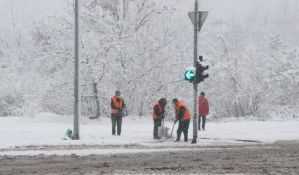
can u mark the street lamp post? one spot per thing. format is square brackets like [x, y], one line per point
[77, 76]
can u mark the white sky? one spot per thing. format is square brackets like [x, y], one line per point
[31, 8]
[24, 12]
[227, 8]
[27, 10]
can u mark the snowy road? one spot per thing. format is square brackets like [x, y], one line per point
[36, 146]
[275, 158]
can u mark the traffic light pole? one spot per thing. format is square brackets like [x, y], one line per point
[195, 116]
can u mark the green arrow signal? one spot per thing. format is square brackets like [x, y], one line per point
[189, 75]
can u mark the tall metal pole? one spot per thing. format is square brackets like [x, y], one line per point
[195, 116]
[77, 75]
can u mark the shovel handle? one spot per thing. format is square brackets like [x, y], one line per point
[172, 129]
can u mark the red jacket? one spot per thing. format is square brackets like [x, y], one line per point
[203, 106]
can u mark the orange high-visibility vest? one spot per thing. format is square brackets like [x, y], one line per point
[155, 116]
[118, 104]
[187, 113]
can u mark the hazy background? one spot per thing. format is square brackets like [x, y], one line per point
[250, 45]
[28, 9]
[23, 12]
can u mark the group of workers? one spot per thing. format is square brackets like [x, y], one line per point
[182, 114]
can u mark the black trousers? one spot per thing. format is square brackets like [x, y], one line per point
[183, 127]
[157, 123]
[116, 121]
[203, 118]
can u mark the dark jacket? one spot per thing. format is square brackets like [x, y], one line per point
[181, 113]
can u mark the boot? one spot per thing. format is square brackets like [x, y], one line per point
[178, 138]
[186, 138]
[157, 137]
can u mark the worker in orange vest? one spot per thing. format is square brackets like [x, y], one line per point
[117, 111]
[183, 116]
[158, 115]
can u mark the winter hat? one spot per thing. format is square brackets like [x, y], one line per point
[202, 94]
[163, 101]
[175, 100]
[117, 93]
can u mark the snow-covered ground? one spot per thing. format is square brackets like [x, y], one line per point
[40, 134]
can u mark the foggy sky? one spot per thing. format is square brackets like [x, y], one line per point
[219, 8]
[25, 11]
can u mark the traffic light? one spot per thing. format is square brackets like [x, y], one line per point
[200, 76]
[190, 74]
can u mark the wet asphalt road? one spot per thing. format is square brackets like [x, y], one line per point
[276, 158]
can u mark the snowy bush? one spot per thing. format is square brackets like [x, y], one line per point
[11, 105]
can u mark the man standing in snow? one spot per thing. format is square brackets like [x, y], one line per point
[158, 115]
[183, 116]
[203, 110]
[117, 107]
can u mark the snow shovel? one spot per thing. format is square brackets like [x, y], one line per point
[172, 129]
[162, 130]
